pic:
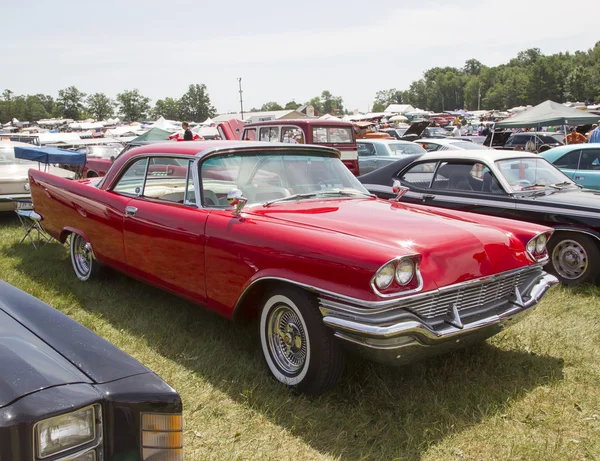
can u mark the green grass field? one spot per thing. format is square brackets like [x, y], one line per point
[532, 392]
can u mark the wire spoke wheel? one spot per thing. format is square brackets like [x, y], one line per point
[286, 339]
[81, 257]
[570, 259]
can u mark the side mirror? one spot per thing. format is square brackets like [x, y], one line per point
[112, 158]
[399, 189]
[235, 198]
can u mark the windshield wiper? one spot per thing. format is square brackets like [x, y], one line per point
[560, 185]
[533, 186]
[344, 192]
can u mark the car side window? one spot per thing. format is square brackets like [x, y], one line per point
[570, 160]
[430, 147]
[590, 159]
[250, 134]
[166, 179]
[269, 134]
[420, 175]
[132, 181]
[463, 176]
[365, 149]
[382, 150]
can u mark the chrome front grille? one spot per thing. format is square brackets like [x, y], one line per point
[465, 297]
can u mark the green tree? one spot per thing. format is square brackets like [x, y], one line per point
[70, 102]
[100, 106]
[384, 98]
[331, 104]
[472, 68]
[168, 108]
[579, 84]
[269, 106]
[195, 104]
[292, 105]
[132, 105]
[316, 103]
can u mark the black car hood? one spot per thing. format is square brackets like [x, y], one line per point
[415, 130]
[61, 350]
[28, 364]
[500, 138]
[571, 198]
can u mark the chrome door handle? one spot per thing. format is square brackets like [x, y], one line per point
[426, 197]
[130, 211]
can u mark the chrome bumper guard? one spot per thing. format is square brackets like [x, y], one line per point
[395, 335]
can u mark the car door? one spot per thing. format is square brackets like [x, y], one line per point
[569, 163]
[462, 185]
[163, 227]
[588, 172]
[367, 157]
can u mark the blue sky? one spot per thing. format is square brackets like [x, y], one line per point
[282, 50]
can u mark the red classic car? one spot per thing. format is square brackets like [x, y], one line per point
[285, 234]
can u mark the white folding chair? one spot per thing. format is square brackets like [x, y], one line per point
[31, 222]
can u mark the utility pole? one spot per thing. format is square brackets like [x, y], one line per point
[241, 100]
[479, 98]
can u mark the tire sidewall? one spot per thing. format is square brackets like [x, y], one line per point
[84, 278]
[268, 305]
[593, 254]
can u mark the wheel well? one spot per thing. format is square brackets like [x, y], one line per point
[247, 307]
[594, 237]
[64, 235]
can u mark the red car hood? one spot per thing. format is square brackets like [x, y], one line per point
[457, 248]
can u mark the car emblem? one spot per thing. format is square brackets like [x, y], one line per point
[452, 317]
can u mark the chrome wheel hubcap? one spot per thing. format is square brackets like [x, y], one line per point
[570, 259]
[82, 256]
[286, 339]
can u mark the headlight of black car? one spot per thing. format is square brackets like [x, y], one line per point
[70, 431]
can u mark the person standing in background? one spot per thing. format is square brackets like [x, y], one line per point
[574, 137]
[187, 135]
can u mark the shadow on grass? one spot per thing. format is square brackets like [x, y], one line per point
[375, 412]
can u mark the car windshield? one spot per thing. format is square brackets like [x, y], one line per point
[267, 176]
[405, 149]
[7, 157]
[103, 151]
[532, 174]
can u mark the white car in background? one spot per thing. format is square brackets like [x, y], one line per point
[14, 181]
[434, 145]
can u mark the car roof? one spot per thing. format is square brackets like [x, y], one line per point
[203, 148]
[444, 141]
[482, 154]
[384, 141]
[556, 152]
[16, 144]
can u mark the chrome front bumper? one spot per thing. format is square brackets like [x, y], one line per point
[396, 335]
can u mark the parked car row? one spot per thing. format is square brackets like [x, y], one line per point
[416, 257]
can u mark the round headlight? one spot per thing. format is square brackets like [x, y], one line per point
[405, 271]
[531, 246]
[385, 276]
[540, 244]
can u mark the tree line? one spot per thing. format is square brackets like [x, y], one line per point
[326, 103]
[530, 78]
[129, 105]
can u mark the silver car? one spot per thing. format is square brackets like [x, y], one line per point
[14, 182]
[375, 153]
